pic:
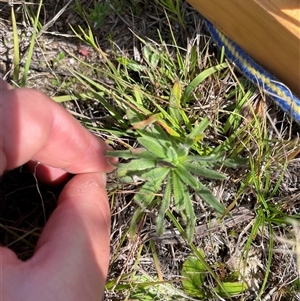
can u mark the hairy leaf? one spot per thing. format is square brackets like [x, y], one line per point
[209, 198]
[135, 165]
[180, 190]
[186, 177]
[148, 191]
[202, 171]
[210, 158]
[153, 146]
[182, 150]
[174, 102]
[190, 218]
[165, 204]
[235, 162]
[171, 154]
[125, 154]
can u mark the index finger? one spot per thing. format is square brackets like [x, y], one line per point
[32, 126]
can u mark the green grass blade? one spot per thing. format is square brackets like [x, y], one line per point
[31, 46]
[136, 218]
[16, 72]
[199, 79]
[235, 117]
[90, 84]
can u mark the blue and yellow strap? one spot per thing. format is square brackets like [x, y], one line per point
[288, 102]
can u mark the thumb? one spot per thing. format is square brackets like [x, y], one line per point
[72, 254]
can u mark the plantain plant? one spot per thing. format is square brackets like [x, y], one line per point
[170, 173]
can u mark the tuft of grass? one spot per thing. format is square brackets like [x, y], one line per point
[32, 20]
[176, 9]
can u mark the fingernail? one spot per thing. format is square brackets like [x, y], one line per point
[112, 161]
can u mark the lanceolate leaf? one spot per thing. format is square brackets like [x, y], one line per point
[235, 162]
[144, 154]
[165, 204]
[171, 153]
[153, 146]
[125, 154]
[179, 192]
[211, 159]
[156, 173]
[148, 191]
[202, 171]
[190, 219]
[209, 198]
[135, 165]
[186, 177]
[174, 102]
[131, 154]
[182, 150]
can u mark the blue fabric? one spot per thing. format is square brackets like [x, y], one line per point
[289, 102]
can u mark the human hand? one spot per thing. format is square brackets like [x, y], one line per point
[71, 258]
